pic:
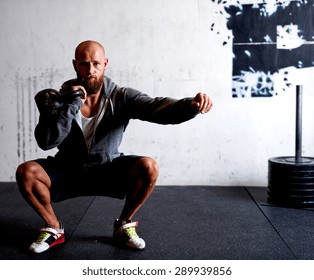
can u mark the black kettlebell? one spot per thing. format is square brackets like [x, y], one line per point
[50, 100]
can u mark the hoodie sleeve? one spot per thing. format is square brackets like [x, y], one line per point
[161, 110]
[55, 122]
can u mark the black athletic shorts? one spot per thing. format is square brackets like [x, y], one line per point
[109, 179]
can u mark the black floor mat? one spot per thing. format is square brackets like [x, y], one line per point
[177, 223]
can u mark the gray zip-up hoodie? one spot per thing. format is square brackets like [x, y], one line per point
[57, 127]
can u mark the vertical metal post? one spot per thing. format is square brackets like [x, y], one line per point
[298, 132]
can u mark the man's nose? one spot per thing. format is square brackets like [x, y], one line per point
[90, 68]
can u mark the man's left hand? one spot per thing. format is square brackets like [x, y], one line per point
[202, 102]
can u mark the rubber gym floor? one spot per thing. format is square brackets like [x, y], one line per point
[177, 223]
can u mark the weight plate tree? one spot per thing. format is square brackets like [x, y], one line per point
[291, 179]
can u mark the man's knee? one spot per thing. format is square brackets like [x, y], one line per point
[27, 173]
[149, 168]
[24, 170]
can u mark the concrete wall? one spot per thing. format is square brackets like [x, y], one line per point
[163, 48]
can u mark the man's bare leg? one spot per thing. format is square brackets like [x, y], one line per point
[143, 178]
[34, 184]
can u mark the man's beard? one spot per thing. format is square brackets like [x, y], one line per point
[92, 85]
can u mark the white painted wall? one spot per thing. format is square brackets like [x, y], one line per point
[164, 48]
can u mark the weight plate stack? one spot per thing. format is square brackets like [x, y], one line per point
[291, 182]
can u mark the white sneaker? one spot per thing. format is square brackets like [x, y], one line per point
[125, 234]
[47, 238]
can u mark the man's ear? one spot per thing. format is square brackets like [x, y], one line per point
[106, 62]
[74, 64]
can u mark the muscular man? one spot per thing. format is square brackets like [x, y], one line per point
[87, 130]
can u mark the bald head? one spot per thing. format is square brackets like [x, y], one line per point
[89, 46]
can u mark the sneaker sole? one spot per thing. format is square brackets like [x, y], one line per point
[57, 242]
